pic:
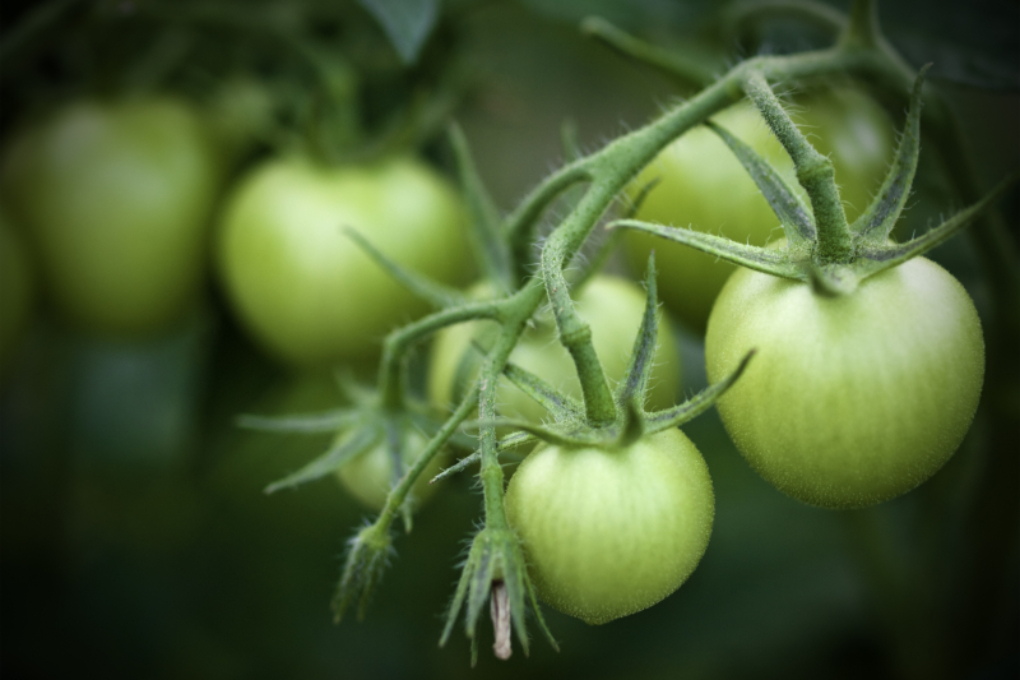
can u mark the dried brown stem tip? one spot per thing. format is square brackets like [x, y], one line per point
[500, 610]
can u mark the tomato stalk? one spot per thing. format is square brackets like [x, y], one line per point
[815, 173]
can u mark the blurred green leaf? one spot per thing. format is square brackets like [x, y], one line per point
[407, 23]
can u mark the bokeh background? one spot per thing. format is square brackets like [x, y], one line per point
[135, 540]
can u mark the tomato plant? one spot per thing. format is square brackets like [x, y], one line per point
[611, 532]
[117, 197]
[611, 305]
[303, 287]
[854, 399]
[701, 185]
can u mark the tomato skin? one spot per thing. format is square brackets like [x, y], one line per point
[117, 197]
[703, 186]
[850, 400]
[611, 305]
[303, 287]
[369, 476]
[608, 533]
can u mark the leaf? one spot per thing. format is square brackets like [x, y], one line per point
[407, 23]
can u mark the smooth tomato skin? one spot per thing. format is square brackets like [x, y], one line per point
[369, 476]
[608, 533]
[117, 197]
[850, 400]
[17, 289]
[302, 286]
[703, 186]
[611, 305]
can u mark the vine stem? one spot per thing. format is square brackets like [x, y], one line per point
[815, 173]
[398, 342]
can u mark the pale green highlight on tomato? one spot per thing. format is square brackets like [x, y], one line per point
[702, 185]
[302, 286]
[850, 400]
[612, 306]
[608, 533]
[117, 198]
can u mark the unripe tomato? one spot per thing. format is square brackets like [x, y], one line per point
[608, 533]
[703, 186]
[369, 476]
[302, 286]
[117, 197]
[850, 400]
[611, 305]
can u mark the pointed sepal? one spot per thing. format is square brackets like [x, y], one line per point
[767, 260]
[696, 405]
[345, 446]
[794, 215]
[642, 358]
[490, 243]
[422, 287]
[309, 423]
[877, 222]
[495, 574]
[368, 555]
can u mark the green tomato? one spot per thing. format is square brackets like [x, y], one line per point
[370, 476]
[17, 288]
[702, 185]
[117, 198]
[302, 286]
[608, 533]
[612, 306]
[850, 400]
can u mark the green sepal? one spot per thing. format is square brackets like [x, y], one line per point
[560, 406]
[310, 423]
[511, 441]
[492, 247]
[368, 555]
[642, 357]
[877, 259]
[696, 405]
[494, 556]
[767, 260]
[436, 294]
[794, 215]
[346, 446]
[877, 222]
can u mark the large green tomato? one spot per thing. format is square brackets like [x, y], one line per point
[17, 284]
[608, 533]
[308, 291]
[702, 185]
[850, 400]
[612, 306]
[117, 198]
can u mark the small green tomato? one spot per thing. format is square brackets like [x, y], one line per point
[608, 533]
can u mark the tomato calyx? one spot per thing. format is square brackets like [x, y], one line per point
[359, 430]
[570, 426]
[495, 572]
[821, 249]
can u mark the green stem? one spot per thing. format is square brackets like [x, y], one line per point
[396, 498]
[815, 173]
[400, 340]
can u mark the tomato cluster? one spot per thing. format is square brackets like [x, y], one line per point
[126, 215]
